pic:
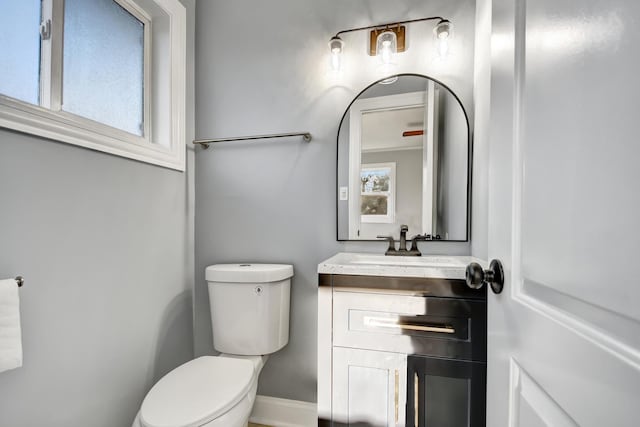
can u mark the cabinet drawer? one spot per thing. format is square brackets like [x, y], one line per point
[442, 327]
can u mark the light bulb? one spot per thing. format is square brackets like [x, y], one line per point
[336, 62]
[443, 47]
[386, 54]
[336, 45]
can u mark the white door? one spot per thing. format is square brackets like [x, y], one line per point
[564, 213]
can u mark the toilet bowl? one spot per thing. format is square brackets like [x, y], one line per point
[210, 391]
[250, 319]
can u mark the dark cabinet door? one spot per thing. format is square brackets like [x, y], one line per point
[445, 392]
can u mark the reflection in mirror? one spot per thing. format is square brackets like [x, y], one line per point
[403, 158]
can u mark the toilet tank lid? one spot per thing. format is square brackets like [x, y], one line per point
[248, 273]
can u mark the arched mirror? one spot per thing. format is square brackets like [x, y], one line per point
[403, 158]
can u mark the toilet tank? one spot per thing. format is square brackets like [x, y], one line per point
[249, 307]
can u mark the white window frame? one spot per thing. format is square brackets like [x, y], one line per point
[48, 120]
[390, 194]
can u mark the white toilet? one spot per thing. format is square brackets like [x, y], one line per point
[250, 317]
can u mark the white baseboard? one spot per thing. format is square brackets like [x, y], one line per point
[276, 412]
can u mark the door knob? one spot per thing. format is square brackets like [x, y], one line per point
[475, 276]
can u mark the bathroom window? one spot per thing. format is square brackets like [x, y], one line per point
[104, 74]
[20, 50]
[104, 68]
[377, 192]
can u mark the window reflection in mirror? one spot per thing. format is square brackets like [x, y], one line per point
[403, 158]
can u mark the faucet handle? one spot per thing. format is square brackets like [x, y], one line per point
[392, 243]
[419, 237]
[416, 239]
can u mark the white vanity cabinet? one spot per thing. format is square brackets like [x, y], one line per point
[368, 387]
[376, 332]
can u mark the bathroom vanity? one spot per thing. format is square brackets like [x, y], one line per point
[401, 342]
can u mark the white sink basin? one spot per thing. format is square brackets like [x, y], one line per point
[436, 266]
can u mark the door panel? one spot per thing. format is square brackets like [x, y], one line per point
[445, 392]
[532, 406]
[368, 391]
[564, 336]
[579, 143]
[369, 388]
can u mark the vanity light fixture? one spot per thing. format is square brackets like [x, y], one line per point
[386, 40]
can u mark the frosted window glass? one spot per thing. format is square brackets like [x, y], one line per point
[103, 64]
[20, 49]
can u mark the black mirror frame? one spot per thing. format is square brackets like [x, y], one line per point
[469, 155]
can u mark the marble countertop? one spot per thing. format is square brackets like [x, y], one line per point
[426, 266]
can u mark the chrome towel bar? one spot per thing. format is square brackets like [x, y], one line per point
[306, 137]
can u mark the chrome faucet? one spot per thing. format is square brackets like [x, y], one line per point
[402, 251]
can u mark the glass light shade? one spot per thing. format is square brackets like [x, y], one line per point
[386, 47]
[443, 33]
[336, 46]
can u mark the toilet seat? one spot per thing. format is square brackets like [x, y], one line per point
[197, 392]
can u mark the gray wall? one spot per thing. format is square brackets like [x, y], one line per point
[261, 68]
[106, 247]
[342, 179]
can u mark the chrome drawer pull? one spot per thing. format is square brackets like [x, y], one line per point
[381, 322]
